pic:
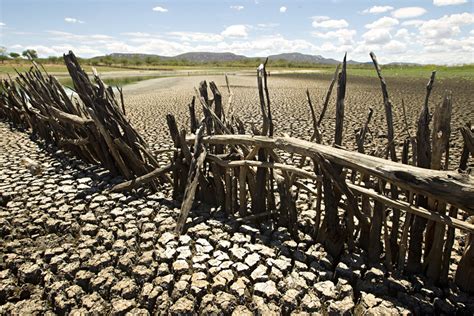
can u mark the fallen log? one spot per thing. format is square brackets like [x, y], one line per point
[131, 184]
[454, 188]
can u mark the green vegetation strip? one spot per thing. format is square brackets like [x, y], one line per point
[116, 81]
[183, 67]
[442, 72]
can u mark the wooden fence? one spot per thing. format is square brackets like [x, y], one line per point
[402, 211]
[92, 125]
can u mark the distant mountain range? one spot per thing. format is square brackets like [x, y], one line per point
[303, 58]
[203, 57]
[200, 57]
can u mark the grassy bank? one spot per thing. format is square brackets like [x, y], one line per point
[442, 72]
[365, 70]
[9, 68]
[465, 71]
[115, 81]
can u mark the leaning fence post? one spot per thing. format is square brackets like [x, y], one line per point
[194, 171]
[393, 156]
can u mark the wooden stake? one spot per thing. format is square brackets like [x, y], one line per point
[194, 171]
[424, 161]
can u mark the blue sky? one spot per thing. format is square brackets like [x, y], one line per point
[424, 31]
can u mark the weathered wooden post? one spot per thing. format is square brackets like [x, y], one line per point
[423, 161]
[465, 273]
[331, 233]
[434, 238]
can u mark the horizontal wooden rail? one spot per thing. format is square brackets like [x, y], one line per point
[259, 164]
[444, 219]
[451, 187]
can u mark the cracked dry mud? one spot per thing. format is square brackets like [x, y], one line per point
[68, 246]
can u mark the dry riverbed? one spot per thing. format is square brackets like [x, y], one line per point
[69, 246]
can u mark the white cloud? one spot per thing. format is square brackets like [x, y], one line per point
[267, 25]
[441, 3]
[404, 36]
[408, 12]
[378, 9]
[319, 18]
[160, 9]
[260, 46]
[73, 20]
[402, 33]
[2, 24]
[57, 50]
[385, 22]
[344, 36]
[414, 23]
[267, 45]
[454, 46]
[136, 34]
[327, 22]
[237, 30]
[196, 36]
[177, 35]
[446, 26]
[282, 9]
[237, 7]
[400, 46]
[377, 36]
[394, 47]
[329, 47]
[89, 38]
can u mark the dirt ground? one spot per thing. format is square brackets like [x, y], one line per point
[150, 100]
[67, 245]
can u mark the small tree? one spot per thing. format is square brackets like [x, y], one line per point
[53, 59]
[149, 60]
[3, 54]
[14, 55]
[107, 60]
[30, 54]
[124, 62]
